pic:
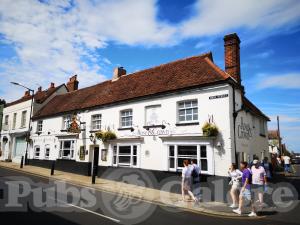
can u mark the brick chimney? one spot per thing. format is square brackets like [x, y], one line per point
[52, 85]
[118, 72]
[232, 56]
[27, 94]
[39, 89]
[72, 85]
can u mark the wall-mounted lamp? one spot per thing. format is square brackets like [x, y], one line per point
[92, 138]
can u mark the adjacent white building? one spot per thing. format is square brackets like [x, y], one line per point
[16, 116]
[157, 115]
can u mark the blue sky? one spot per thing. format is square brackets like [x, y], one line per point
[48, 41]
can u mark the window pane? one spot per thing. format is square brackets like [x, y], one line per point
[187, 150]
[180, 162]
[134, 158]
[189, 117]
[124, 159]
[67, 144]
[181, 118]
[171, 163]
[125, 150]
[171, 150]
[203, 152]
[203, 164]
[134, 150]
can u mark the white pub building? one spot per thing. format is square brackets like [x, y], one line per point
[157, 116]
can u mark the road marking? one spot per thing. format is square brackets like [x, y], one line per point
[90, 211]
[144, 200]
[81, 208]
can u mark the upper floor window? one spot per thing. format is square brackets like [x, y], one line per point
[153, 115]
[6, 119]
[126, 118]
[23, 119]
[188, 111]
[96, 122]
[40, 126]
[262, 127]
[66, 122]
[14, 121]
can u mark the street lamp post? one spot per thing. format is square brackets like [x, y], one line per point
[29, 124]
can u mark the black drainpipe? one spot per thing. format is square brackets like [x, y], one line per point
[234, 114]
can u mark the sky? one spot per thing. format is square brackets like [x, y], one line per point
[50, 40]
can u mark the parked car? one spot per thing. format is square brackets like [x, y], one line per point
[295, 160]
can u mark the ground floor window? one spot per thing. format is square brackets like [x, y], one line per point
[47, 151]
[179, 153]
[125, 155]
[37, 151]
[67, 149]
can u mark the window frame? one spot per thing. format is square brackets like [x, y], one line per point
[35, 156]
[23, 119]
[95, 121]
[71, 149]
[185, 108]
[66, 121]
[45, 153]
[14, 124]
[126, 116]
[198, 156]
[262, 127]
[116, 155]
[39, 127]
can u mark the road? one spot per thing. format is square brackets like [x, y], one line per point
[68, 214]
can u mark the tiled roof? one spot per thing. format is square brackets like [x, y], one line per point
[185, 73]
[39, 97]
[248, 105]
[273, 134]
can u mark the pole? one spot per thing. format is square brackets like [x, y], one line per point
[29, 127]
[279, 137]
[22, 160]
[52, 168]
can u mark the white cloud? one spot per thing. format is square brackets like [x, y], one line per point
[263, 55]
[285, 81]
[213, 17]
[53, 39]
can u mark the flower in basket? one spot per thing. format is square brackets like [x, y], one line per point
[210, 129]
[105, 135]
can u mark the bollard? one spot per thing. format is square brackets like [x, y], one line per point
[22, 161]
[52, 168]
[95, 169]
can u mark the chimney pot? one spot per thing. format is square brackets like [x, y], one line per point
[118, 72]
[72, 85]
[232, 56]
[52, 85]
[39, 89]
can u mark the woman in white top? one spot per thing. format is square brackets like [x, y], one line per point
[235, 183]
[187, 181]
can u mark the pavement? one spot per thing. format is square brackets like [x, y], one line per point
[135, 192]
[174, 211]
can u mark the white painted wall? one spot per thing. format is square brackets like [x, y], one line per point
[157, 159]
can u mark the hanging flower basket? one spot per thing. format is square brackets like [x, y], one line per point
[105, 136]
[210, 130]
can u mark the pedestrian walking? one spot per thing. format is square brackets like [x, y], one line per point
[196, 179]
[259, 181]
[287, 163]
[246, 190]
[186, 184]
[235, 182]
[268, 167]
